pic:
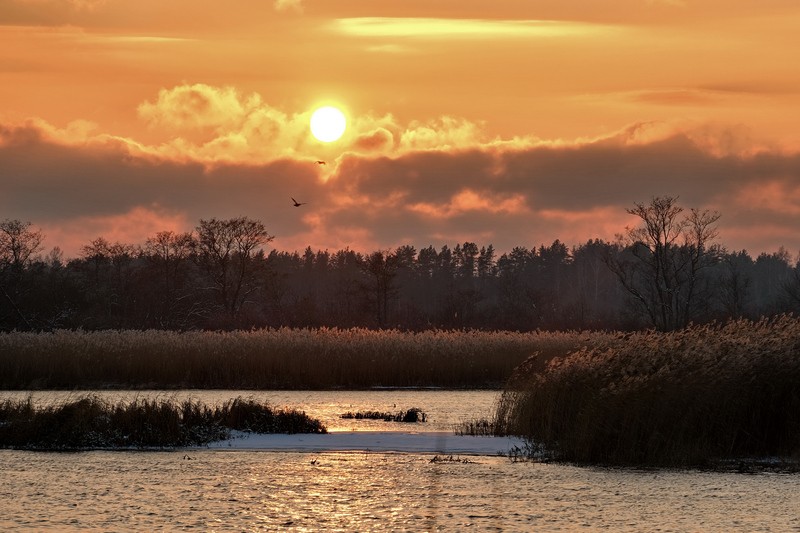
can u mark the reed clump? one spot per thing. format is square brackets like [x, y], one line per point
[284, 358]
[479, 428]
[91, 423]
[413, 415]
[693, 397]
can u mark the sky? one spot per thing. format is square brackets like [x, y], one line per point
[511, 122]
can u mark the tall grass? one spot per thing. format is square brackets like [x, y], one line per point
[687, 398]
[91, 422]
[271, 358]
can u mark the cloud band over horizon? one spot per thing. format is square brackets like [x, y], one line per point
[386, 184]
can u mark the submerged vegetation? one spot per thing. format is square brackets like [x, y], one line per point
[91, 422]
[415, 414]
[282, 358]
[695, 397]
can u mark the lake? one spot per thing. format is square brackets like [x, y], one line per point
[369, 488]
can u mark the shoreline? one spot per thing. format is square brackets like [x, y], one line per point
[369, 441]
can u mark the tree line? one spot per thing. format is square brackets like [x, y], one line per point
[663, 274]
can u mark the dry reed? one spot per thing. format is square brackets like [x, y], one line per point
[91, 422]
[687, 398]
[271, 358]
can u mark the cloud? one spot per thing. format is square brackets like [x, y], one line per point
[446, 132]
[513, 193]
[475, 201]
[214, 124]
[777, 195]
[133, 226]
[392, 49]
[676, 97]
[197, 106]
[289, 5]
[211, 124]
[88, 5]
[464, 28]
[423, 183]
[377, 140]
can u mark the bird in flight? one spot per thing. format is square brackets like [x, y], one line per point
[320, 162]
[298, 204]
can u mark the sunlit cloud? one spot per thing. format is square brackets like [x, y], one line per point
[464, 28]
[220, 124]
[132, 227]
[75, 132]
[213, 124]
[289, 5]
[471, 200]
[391, 49]
[133, 39]
[574, 225]
[197, 106]
[776, 195]
[80, 5]
[717, 139]
[446, 132]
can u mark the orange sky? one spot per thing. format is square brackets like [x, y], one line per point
[511, 122]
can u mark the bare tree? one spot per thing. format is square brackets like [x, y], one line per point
[18, 244]
[662, 261]
[226, 250]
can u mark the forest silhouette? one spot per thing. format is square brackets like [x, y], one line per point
[220, 277]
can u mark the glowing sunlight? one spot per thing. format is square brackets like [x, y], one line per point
[328, 124]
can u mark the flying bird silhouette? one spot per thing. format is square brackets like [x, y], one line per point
[298, 204]
[320, 162]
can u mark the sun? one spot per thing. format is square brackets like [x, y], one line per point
[328, 124]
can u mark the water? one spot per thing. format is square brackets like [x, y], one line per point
[219, 490]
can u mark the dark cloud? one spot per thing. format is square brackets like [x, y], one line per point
[500, 195]
[45, 183]
[379, 139]
[424, 176]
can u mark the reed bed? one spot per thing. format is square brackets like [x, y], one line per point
[695, 397]
[272, 358]
[91, 422]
